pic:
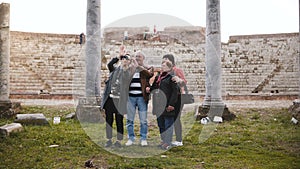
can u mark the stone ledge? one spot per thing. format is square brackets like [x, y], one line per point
[42, 96]
[198, 95]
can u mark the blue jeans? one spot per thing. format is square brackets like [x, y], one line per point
[166, 126]
[142, 106]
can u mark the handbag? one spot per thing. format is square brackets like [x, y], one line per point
[187, 98]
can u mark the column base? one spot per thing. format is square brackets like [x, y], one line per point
[208, 101]
[213, 110]
[8, 109]
[88, 110]
[295, 109]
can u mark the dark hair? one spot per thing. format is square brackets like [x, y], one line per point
[170, 57]
[126, 56]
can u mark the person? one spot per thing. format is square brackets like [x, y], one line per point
[139, 91]
[125, 35]
[81, 38]
[114, 98]
[180, 79]
[165, 101]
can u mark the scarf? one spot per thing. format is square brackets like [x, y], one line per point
[162, 76]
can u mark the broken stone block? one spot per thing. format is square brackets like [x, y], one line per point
[33, 119]
[205, 120]
[10, 128]
[70, 116]
[9, 109]
[295, 109]
[218, 119]
[295, 121]
[56, 120]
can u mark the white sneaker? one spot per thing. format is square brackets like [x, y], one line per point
[177, 143]
[144, 143]
[129, 143]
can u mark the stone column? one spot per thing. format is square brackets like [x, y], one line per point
[88, 108]
[4, 51]
[213, 105]
[213, 54]
[5, 103]
[93, 48]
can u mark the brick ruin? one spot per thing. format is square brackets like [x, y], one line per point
[44, 65]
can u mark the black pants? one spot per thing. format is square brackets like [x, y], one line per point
[110, 111]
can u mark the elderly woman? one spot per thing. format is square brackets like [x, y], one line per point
[164, 101]
[115, 94]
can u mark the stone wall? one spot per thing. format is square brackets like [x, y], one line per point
[261, 64]
[43, 64]
[52, 65]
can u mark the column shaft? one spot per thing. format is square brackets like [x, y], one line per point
[93, 48]
[213, 54]
[4, 51]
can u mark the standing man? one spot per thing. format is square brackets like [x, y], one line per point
[139, 91]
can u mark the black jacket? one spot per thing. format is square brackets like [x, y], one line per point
[165, 93]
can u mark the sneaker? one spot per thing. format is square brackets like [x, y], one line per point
[177, 143]
[129, 143]
[117, 144]
[108, 143]
[165, 146]
[144, 143]
[160, 144]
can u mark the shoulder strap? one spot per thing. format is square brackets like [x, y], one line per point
[185, 89]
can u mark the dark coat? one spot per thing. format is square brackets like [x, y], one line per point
[165, 93]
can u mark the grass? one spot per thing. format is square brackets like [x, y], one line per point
[257, 138]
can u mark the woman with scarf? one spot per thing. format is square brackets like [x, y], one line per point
[165, 95]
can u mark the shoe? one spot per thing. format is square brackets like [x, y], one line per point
[117, 144]
[177, 143]
[144, 143]
[108, 143]
[160, 144]
[165, 146]
[129, 143]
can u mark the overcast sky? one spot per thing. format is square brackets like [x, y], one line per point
[238, 17]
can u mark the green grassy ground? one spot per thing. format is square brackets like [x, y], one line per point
[257, 138]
